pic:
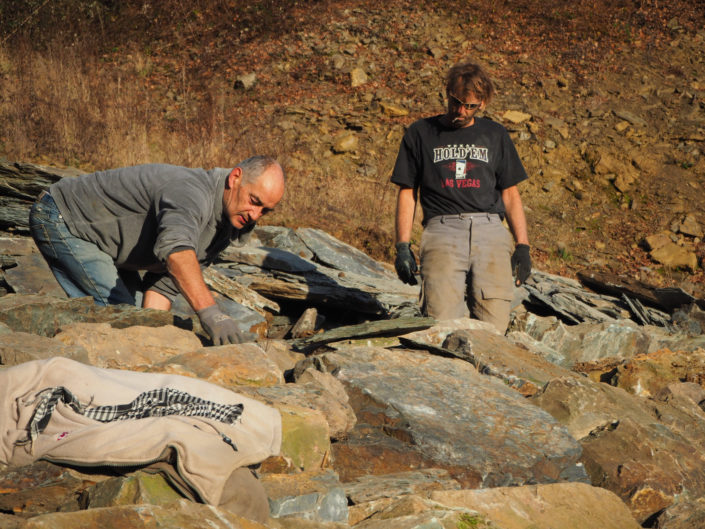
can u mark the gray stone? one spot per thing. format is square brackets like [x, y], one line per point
[9, 521]
[392, 327]
[452, 417]
[183, 514]
[646, 452]
[246, 81]
[567, 345]
[246, 300]
[339, 255]
[345, 142]
[134, 347]
[564, 302]
[358, 77]
[687, 513]
[674, 256]
[630, 117]
[32, 275]
[513, 364]
[311, 496]
[423, 481]
[668, 298]
[558, 506]
[437, 334]
[283, 239]
[317, 289]
[17, 246]
[268, 258]
[521, 362]
[20, 184]
[39, 488]
[335, 408]
[412, 512]
[43, 315]
[306, 325]
[691, 227]
[329, 287]
[20, 347]
[133, 489]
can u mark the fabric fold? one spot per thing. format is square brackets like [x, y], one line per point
[67, 412]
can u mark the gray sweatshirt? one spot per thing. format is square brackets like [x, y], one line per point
[139, 215]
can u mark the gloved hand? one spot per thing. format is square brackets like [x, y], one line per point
[521, 263]
[220, 327]
[405, 263]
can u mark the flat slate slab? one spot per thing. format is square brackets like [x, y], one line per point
[32, 275]
[392, 327]
[45, 315]
[283, 239]
[454, 418]
[339, 255]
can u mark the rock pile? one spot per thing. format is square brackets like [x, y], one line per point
[588, 413]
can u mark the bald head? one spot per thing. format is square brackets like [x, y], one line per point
[255, 166]
[253, 189]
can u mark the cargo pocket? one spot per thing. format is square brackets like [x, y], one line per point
[496, 292]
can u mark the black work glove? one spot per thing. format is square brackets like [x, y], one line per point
[220, 327]
[521, 263]
[405, 263]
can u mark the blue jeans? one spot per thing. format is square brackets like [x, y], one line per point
[81, 268]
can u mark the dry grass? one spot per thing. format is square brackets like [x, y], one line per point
[64, 106]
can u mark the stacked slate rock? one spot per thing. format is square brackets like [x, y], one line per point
[587, 413]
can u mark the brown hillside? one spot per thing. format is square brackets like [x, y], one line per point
[613, 92]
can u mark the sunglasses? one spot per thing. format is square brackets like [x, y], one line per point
[466, 106]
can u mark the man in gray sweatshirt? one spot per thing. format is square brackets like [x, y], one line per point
[150, 228]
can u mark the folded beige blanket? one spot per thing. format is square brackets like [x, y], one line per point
[208, 449]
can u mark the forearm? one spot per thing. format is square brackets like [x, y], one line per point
[406, 207]
[185, 270]
[154, 300]
[516, 217]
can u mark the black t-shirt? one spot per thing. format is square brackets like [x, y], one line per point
[458, 170]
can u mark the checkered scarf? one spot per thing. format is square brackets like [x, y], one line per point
[155, 403]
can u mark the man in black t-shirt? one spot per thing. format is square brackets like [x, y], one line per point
[466, 170]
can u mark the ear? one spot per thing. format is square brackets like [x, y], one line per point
[234, 178]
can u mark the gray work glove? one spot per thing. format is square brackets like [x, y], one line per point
[220, 327]
[521, 263]
[405, 263]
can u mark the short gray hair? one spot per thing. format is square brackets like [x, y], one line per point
[254, 166]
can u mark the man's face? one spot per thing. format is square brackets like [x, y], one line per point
[245, 203]
[462, 109]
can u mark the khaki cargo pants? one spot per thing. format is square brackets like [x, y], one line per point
[466, 268]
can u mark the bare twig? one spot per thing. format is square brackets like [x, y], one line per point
[33, 13]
